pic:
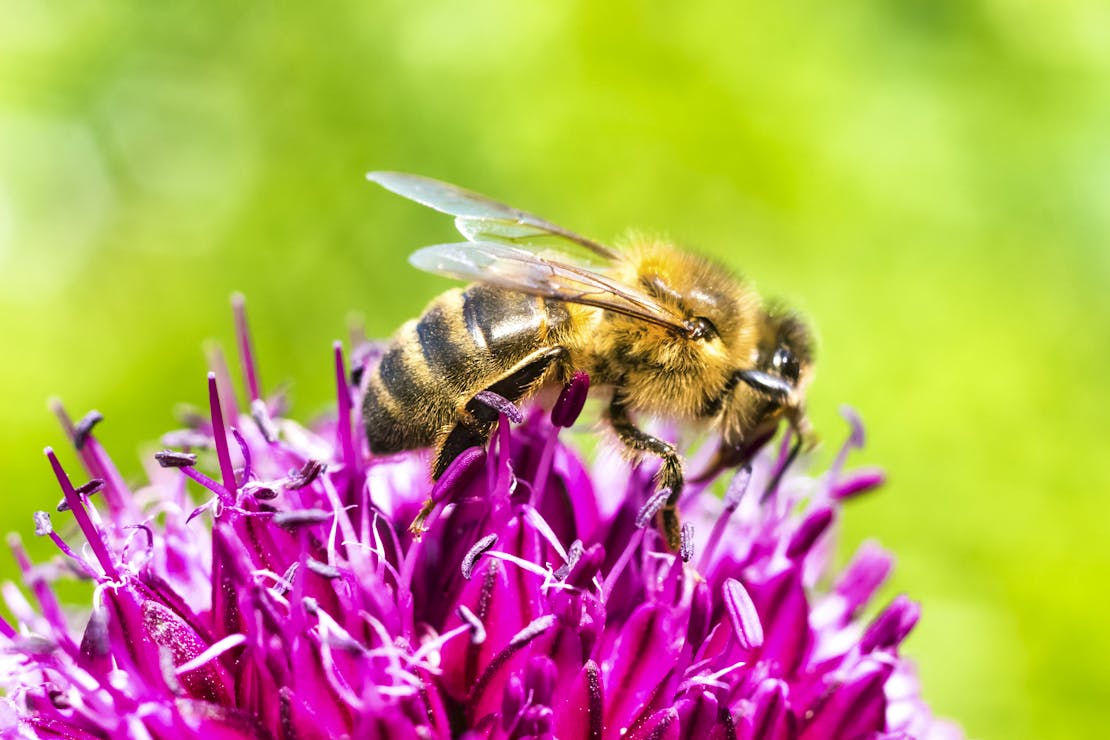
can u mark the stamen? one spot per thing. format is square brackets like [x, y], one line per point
[84, 491]
[309, 472]
[476, 551]
[686, 544]
[571, 400]
[92, 535]
[733, 495]
[501, 405]
[263, 493]
[265, 423]
[573, 554]
[173, 459]
[219, 434]
[301, 518]
[43, 526]
[520, 640]
[477, 629]
[245, 451]
[323, 569]
[84, 428]
[651, 507]
[246, 355]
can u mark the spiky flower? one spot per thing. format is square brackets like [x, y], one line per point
[279, 594]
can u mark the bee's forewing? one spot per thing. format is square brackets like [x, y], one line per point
[528, 272]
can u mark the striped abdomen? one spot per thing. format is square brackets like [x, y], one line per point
[465, 341]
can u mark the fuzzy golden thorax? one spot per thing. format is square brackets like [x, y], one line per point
[662, 372]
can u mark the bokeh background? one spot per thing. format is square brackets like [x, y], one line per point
[929, 180]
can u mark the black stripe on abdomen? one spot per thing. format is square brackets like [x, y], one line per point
[445, 348]
[501, 321]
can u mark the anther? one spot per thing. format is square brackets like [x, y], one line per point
[309, 472]
[83, 429]
[652, 507]
[301, 518]
[172, 459]
[478, 550]
[501, 405]
[43, 526]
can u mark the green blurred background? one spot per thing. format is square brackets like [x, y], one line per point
[928, 180]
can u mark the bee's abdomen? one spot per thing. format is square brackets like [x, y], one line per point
[464, 342]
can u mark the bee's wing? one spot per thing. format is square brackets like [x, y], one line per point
[479, 218]
[528, 272]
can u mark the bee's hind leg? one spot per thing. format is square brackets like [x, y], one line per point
[475, 421]
[669, 478]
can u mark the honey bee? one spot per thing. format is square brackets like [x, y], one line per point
[668, 334]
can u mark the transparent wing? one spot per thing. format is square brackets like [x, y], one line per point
[528, 272]
[479, 218]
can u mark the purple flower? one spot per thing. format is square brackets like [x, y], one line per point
[264, 585]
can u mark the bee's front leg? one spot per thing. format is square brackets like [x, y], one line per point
[670, 475]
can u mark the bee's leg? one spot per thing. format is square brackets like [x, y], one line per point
[475, 421]
[670, 474]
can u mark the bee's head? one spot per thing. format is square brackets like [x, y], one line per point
[773, 387]
[786, 349]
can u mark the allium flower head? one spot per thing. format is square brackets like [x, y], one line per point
[264, 585]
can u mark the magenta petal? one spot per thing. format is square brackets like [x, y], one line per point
[579, 712]
[856, 707]
[771, 718]
[296, 603]
[663, 725]
[644, 655]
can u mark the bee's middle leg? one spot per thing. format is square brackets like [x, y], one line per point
[670, 476]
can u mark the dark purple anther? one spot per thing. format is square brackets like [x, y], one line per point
[301, 518]
[309, 472]
[323, 569]
[264, 493]
[84, 491]
[501, 405]
[574, 552]
[173, 459]
[476, 551]
[571, 400]
[84, 427]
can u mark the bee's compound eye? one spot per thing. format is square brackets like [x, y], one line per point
[786, 365]
[700, 327]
